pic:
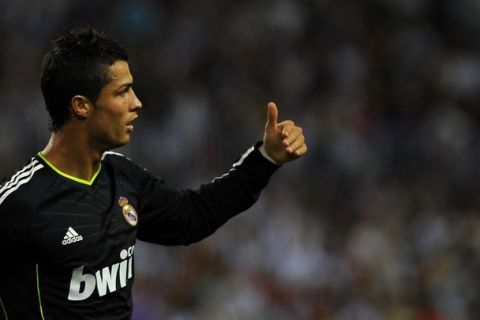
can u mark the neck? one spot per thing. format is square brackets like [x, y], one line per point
[72, 155]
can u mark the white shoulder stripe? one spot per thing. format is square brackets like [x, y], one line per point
[15, 182]
[27, 177]
[18, 175]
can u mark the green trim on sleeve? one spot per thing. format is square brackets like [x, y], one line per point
[38, 292]
[63, 174]
[3, 308]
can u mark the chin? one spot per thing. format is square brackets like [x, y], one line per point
[117, 144]
[122, 143]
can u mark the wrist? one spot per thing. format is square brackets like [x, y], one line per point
[264, 153]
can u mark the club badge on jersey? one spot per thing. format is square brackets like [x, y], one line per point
[129, 212]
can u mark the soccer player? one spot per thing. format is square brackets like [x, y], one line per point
[70, 217]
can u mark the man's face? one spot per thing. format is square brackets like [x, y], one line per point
[110, 123]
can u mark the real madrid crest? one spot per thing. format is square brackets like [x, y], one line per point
[129, 212]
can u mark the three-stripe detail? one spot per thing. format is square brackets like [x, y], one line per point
[70, 233]
[20, 178]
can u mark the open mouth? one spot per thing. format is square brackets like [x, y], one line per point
[130, 126]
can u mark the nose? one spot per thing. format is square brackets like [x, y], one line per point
[137, 104]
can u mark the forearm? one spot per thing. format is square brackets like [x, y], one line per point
[195, 214]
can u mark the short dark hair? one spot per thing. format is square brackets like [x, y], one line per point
[76, 63]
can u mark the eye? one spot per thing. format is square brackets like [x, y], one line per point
[123, 92]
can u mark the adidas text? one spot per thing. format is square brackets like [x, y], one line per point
[72, 240]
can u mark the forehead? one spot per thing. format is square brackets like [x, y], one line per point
[119, 73]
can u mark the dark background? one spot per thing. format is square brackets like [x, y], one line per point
[379, 221]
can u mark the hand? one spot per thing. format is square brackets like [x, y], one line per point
[283, 141]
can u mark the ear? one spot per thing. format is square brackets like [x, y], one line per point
[81, 106]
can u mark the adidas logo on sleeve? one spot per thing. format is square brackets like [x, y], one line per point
[71, 236]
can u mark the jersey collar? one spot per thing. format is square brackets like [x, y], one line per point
[65, 175]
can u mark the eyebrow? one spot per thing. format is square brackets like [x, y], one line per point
[125, 86]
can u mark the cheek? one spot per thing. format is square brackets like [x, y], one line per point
[107, 124]
[110, 119]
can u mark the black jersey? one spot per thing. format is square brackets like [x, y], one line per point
[67, 245]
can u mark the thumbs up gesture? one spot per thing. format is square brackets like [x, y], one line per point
[283, 141]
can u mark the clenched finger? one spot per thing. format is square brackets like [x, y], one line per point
[286, 127]
[294, 134]
[301, 150]
[296, 144]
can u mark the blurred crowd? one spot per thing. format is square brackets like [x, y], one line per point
[380, 220]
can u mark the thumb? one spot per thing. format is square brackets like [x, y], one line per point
[272, 115]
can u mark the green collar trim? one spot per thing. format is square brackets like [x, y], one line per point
[63, 174]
